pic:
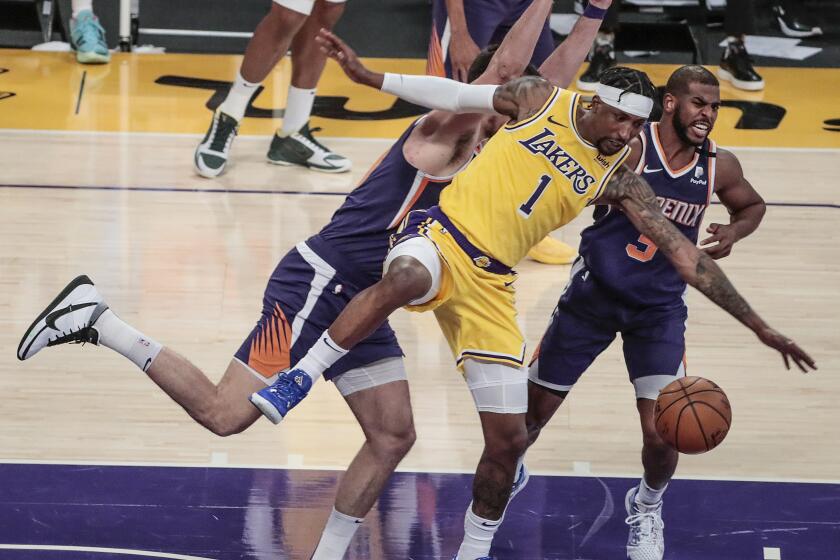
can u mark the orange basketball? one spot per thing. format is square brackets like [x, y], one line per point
[692, 415]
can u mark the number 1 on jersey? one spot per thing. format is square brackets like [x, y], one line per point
[526, 209]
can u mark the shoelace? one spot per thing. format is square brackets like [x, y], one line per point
[645, 522]
[91, 31]
[307, 134]
[223, 135]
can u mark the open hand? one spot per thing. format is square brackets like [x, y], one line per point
[788, 348]
[346, 57]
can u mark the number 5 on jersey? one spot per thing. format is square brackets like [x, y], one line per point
[642, 249]
[528, 207]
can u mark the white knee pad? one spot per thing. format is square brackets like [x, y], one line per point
[370, 376]
[423, 251]
[496, 387]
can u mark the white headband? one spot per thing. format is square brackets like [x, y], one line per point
[631, 103]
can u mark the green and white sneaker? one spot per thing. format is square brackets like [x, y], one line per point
[300, 148]
[88, 39]
[212, 154]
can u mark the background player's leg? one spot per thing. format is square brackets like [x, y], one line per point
[224, 408]
[87, 35]
[293, 144]
[384, 413]
[269, 44]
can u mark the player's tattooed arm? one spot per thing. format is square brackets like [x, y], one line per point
[746, 207]
[522, 98]
[638, 201]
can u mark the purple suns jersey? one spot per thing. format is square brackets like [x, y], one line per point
[358, 234]
[622, 260]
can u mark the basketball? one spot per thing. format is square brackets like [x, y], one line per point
[692, 415]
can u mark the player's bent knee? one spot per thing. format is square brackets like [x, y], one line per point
[414, 265]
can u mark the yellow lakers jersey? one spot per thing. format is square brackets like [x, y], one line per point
[529, 179]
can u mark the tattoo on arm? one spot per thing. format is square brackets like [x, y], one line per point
[638, 201]
[522, 98]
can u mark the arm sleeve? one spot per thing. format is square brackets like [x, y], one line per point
[441, 93]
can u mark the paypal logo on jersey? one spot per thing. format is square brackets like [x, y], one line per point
[545, 145]
[698, 172]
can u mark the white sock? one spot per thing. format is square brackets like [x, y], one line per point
[322, 355]
[733, 39]
[478, 536]
[298, 109]
[81, 5]
[119, 336]
[238, 97]
[647, 496]
[336, 536]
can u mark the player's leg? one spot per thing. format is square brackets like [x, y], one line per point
[293, 143]
[379, 398]
[268, 45]
[654, 352]
[86, 34]
[80, 314]
[581, 327]
[500, 394]
[413, 275]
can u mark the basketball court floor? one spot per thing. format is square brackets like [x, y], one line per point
[96, 463]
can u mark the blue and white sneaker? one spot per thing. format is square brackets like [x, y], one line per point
[276, 400]
[521, 481]
[646, 540]
[88, 39]
[70, 318]
[482, 558]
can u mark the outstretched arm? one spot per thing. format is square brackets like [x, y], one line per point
[562, 65]
[638, 201]
[746, 207]
[517, 99]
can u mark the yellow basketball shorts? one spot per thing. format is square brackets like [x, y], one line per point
[474, 307]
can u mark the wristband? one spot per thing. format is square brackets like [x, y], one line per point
[594, 12]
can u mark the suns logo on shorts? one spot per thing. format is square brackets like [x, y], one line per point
[544, 144]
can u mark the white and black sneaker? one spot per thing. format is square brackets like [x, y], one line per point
[646, 540]
[212, 154]
[301, 148]
[736, 68]
[68, 319]
[791, 25]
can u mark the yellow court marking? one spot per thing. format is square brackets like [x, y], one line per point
[168, 94]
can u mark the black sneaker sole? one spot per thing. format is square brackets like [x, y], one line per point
[75, 283]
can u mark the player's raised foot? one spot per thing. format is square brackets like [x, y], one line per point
[88, 39]
[601, 59]
[521, 481]
[301, 148]
[552, 251]
[736, 68]
[646, 540]
[69, 318]
[211, 155]
[276, 400]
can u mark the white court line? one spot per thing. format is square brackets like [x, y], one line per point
[40, 132]
[269, 466]
[126, 551]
